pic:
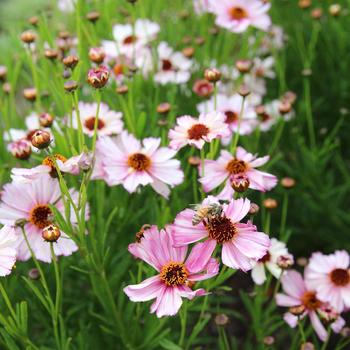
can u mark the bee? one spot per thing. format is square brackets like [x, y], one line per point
[206, 212]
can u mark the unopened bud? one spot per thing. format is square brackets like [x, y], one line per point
[254, 208]
[221, 320]
[244, 66]
[297, 310]
[200, 40]
[302, 261]
[20, 149]
[34, 274]
[41, 139]
[212, 74]
[327, 313]
[46, 120]
[122, 89]
[304, 4]
[163, 108]
[307, 346]
[28, 37]
[188, 51]
[51, 54]
[285, 261]
[30, 94]
[203, 88]
[290, 96]
[33, 21]
[51, 233]
[244, 91]
[3, 73]
[240, 183]
[288, 182]
[71, 61]
[193, 160]
[335, 10]
[284, 107]
[93, 16]
[317, 13]
[97, 54]
[269, 340]
[98, 77]
[270, 203]
[6, 88]
[70, 85]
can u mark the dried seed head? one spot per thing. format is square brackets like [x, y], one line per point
[244, 66]
[41, 139]
[188, 51]
[335, 10]
[288, 182]
[244, 91]
[93, 16]
[317, 13]
[70, 85]
[213, 75]
[163, 108]
[21, 149]
[3, 73]
[203, 88]
[304, 4]
[97, 54]
[34, 274]
[30, 94]
[269, 340]
[46, 120]
[254, 208]
[70, 61]
[193, 160]
[284, 107]
[51, 233]
[221, 320]
[270, 203]
[297, 310]
[98, 77]
[51, 54]
[122, 89]
[307, 346]
[28, 36]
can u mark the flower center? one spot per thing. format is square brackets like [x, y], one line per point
[197, 131]
[49, 162]
[130, 39]
[238, 13]
[39, 216]
[236, 166]
[221, 229]
[139, 161]
[167, 65]
[265, 258]
[30, 134]
[340, 277]
[118, 69]
[310, 301]
[264, 117]
[90, 123]
[174, 274]
[231, 117]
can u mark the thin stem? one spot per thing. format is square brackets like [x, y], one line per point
[301, 330]
[96, 122]
[235, 141]
[325, 344]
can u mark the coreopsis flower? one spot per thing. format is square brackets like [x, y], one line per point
[231, 107]
[173, 67]
[270, 261]
[242, 244]
[263, 68]
[21, 149]
[175, 272]
[128, 162]
[329, 275]
[8, 252]
[227, 168]
[109, 121]
[29, 202]
[203, 88]
[304, 301]
[66, 6]
[201, 6]
[196, 132]
[238, 15]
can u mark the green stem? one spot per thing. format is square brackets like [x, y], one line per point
[235, 141]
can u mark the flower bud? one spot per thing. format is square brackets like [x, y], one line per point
[203, 88]
[30, 94]
[3, 73]
[221, 320]
[33, 21]
[46, 120]
[297, 310]
[304, 4]
[6, 88]
[285, 261]
[70, 61]
[302, 261]
[20, 149]
[290, 96]
[98, 77]
[254, 208]
[41, 139]
[244, 91]
[51, 233]
[284, 107]
[188, 51]
[97, 54]
[184, 14]
[317, 13]
[67, 73]
[240, 183]
[270, 203]
[122, 90]
[334, 10]
[70, 85]
[195, 161]
[307, 346]
[163, 108]
[260, 110]
[244, 66]
[327, 314]
[28, 37]
[51, 54]
[288, 182]
[269, 340]
[199, 41]
[63, 34]
[214, 30]
[86, 160]
[93, 16]
[213, 75]
[34, 274]
[162, 122]
[186, 40]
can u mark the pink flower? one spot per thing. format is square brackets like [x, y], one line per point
[230, 168]
[242, 244]
[329, 275]
[298, 294]
[8, 245]
[195, 132]
[238, 15]
[176, 273]
[126, 161]
[30, 202]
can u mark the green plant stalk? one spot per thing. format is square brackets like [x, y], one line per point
[236, 138]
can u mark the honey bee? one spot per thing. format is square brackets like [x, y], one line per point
[206, 212]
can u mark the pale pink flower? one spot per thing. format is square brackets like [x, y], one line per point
[30, 202]
[175, 275]
[329, 275]
[126, 161]
[8, 252]
[270, 262]
[109, 122]
[229, 168]
[201, 6]
[195, 132]
[173, 67]
[299, 294]
[238, 15]
[242, 244]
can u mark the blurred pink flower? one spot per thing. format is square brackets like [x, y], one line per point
[228, 168]
[242, 244]
[329, 275]
[299, 294]
[238, 15]
[8, 252]
[176, 273]
[124, 160]
[195, 132]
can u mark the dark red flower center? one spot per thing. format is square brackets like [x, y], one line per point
[167, 65]
[265, 258]
[174, 274]
[130, 39]
[221, 229]
[236, 166]
[139, 161]
[231, 117]
[340, 277]
[90, 123]
[197, 131]
[39, 216]
[238, 13]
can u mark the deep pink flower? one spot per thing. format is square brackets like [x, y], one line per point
[176, 273]
[229, 168]
[124, 160]
[238, 15]
[329, 275]
[242, 244]
[299, 294]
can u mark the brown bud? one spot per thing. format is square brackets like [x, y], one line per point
[34, 274]
[122, 89]
[334, 10]
[70, 85]
[20, 149]
[3, 73]
[199, 41]
[244, 91]
[163, 108]
[93, 16]
[51, 233]
[297, 310]
[254, 208]
[307, 346]
[46, 120]
[6, 88]
[51, 54]
[97, 54]
[284, 107]
[304, 4]
[41, 139]
[288, 182]
[30, 94]
[240, 183]
[212, 74]
[244, 66]
[71, 61]
[98, 77]
[195, 161]
[221, 320]
[33, 21]
[188, 51]
[270, 203]
[28, 37]
[269, 340]
[63, 34]
[317, 13]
